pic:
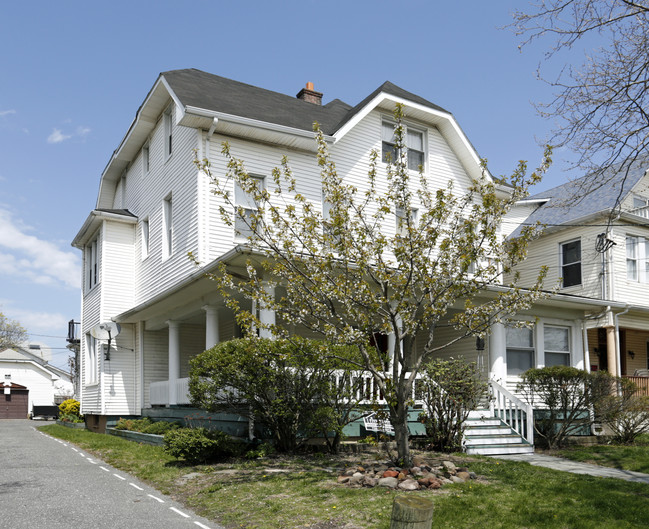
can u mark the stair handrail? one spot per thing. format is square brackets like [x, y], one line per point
[506, 406]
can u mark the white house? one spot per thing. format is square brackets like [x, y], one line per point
[597, 245]
[28, 380]
[155, 206]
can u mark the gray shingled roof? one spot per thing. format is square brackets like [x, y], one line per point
[211, 92]
[567, 203]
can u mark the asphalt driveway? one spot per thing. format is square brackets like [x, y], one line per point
[47, 483]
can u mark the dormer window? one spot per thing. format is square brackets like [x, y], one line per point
[414, 140]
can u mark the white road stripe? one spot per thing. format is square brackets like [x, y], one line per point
[135, 486]
[120, 477]
[202, 525]
[179, 512]
[156, 499]
[104, 468]
[75, 449]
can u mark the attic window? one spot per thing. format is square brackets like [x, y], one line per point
[34, 346]
[168, 131]
[414, 140]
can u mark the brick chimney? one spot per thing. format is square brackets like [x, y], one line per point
[309, 95]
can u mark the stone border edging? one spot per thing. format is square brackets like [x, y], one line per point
[147, 438]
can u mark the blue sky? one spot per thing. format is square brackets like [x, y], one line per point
[72, 75]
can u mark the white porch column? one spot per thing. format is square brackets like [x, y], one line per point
[211, 326]
[497, 352]
[174, 360]
[267, 315]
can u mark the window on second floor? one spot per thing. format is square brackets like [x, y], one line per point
[402, 220]
[570, 254]
[92, 263]
[245, 208]
[414, 140]
[167, 227]
[637, 259]
[144, 233]
[146, 159]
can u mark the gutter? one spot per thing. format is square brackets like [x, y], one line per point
[255, 123]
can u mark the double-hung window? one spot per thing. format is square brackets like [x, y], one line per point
[520, 349]
[146, 159]
[167, 227]
[92, 263]
[556, 345]
[91, 360]
[637, 259]
[402, 220]
[245, 208]
[570, 254]
[144, 233]
[414, 140]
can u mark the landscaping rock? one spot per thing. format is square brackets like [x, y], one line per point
[343, 479]
[456, 479]
[390, 474]
[409, 484]
[370, 482]
[449, 466]
[464, 475]
[390, 482]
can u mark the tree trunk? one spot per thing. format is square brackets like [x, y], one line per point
[399, 419]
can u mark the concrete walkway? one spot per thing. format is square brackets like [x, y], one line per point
[565, 465]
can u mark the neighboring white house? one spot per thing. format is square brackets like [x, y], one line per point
[27, 380]
[597, 245]
[154, 207]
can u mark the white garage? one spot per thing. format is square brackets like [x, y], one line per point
[27, 380]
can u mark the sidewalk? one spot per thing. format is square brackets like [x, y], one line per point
[565, 465]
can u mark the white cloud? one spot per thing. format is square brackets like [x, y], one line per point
[38, 321]
[4, 113]
[57, 136]
[35, 259]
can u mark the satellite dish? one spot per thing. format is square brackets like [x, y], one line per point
[105, 331]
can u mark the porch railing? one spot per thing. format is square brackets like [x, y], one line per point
[641, 212]
[641, 382]
[366, 390]
[517, 414]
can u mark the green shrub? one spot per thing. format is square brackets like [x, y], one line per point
[161, 427]
[70, 407]
[623, 410]
[286, 385]
[199, 445]
[565, 394]
[449, 389]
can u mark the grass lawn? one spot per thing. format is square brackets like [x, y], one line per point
[635, 457]
[301, 491]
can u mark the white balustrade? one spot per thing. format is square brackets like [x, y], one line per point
[517, 414]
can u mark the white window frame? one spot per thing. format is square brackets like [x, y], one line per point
[167, 227]
[563, 265]
[243, 201]
[401, 227]
[92, 356]
[520, 349]
[566, 353]
[168, 131]
[385, 124]
[144, 237]
[92, 264]
[146, 158]
[635, 259]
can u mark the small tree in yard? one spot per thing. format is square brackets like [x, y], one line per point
[345, 276]
[287, 385]
[451, 389]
